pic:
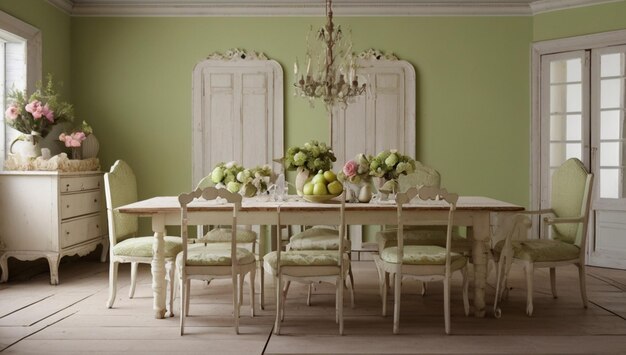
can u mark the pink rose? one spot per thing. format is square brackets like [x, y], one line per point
[35, 109]
[48, 113]
[72, 140]
[12, 112]
[350, 169]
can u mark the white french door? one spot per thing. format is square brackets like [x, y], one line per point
[607, 245]
[582, 115]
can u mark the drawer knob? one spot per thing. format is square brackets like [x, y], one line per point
[67, 187]
[67, 232]
[68, 206]
[95, 200]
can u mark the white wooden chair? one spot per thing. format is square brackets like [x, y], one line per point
[208, 261]
[568, 218]
[308, 266]
[320, 238]
[422, 262]
[120, 186]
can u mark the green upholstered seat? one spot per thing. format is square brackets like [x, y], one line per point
[215, 255]
[317, 238]
[423, 255]
[222, 235]
[538, 250]
[305, 258]
[142, 247]
[421, 235]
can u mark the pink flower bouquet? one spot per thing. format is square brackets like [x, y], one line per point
[356, 171]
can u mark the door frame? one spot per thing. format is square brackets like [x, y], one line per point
[539, 49]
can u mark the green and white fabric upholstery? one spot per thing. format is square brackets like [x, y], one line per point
[423, 255]
[304, 258]
[215, 255]
[317, 238]
[120, 186]
[222, 235]
[142, 247]
[539, 250]
[422, 235]
[568, 218]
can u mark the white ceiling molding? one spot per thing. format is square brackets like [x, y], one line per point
[263, 8]
[542, 6]
[64, 5]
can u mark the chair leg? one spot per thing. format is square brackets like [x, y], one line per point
[446, 303]
[384, 295]
[184, 311]
[308, 296]
[582, 275]
[553, 281]
[351, 276]
[187, 296]
[252, 286]
[262, 279]
[113, 266]
[279, 294]
[133, 278]
[396, 302]
[424, 287]
[240, 278]
[340, 303]
[529, 267]
[171, 271]
[466, 306]
[236, 301]
[499, 285]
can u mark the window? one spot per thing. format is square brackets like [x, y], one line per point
[20, 67]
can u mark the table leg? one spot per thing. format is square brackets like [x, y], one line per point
[480, 256]
[158, 266]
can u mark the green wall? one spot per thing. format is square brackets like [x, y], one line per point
[580, 21]
[55, 29]
[132, 80]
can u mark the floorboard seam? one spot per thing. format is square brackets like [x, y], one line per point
[26, 306]
[610, 281]
[268, 340]
[608, 310]
[62, 309]
[37, 331]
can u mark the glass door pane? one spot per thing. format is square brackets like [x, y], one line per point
[610, 139]
[564, 113]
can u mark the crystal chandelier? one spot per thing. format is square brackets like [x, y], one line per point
[330, 67]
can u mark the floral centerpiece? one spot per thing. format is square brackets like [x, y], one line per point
[235, 178]
[311, 157]
[388, 165]
[38, 113]
[356, 172]
[75, 139]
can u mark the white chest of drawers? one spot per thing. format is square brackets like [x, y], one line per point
[51, 215]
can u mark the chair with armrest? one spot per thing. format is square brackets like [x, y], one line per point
[120, 186]
[422, 262]
[212, 260]
[568, 220]
[308, 266]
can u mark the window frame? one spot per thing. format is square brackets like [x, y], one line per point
[33, 38]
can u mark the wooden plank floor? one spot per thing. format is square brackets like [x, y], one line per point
[71, 318]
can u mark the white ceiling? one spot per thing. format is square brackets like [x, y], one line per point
[315, 8]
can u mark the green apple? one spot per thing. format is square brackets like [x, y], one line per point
[307, 189]
[335, 188]
[320, 189]
[319, 178]
[330, 176]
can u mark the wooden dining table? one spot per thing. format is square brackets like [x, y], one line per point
[475, 212]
